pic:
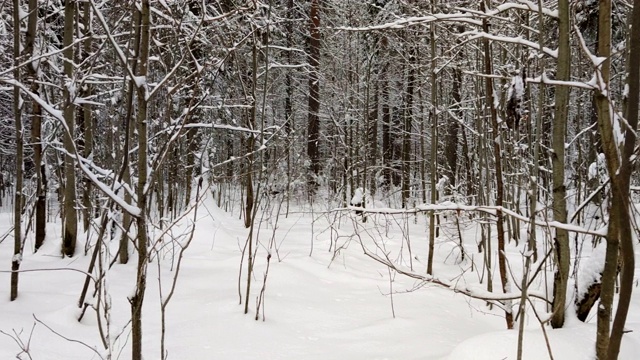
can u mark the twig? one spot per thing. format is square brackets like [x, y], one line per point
[68, 339]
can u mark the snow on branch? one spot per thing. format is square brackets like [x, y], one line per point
[602, 87]
[57, 115]
[464, 15]
[524, 5]
[221, 126]
[475, 292]
[510, 39]
[121, 55]
[42, 56]
[577, 84]
[416, 20]
[491, 210]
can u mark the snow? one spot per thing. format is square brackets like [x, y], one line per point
[140, 81]
[590, 269]
[23, 14]
[517, 88]
[598, 169]
[502, 345]
[324, 305]
[358, 196]
[524, 5]
[474, 34]
[16, 258]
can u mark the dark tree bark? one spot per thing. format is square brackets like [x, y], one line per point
[85, 118]
[561, 240]
[407, 129]
[453, 127]
[433, 167]
[288, 101]
[141, 221]
[17, 114]
[125, 173]
[497, 153]
[36, 128]
[387, 150]
[621, 186]
[613, 162]
[313, 125]
[70, 217]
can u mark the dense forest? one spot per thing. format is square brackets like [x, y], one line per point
[517, 118]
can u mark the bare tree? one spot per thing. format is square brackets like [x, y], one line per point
[561, 241]
[141, 192]
[70, 217]
[620, 233]
[313, 124]
[36, 126]
[497, 153]
[17, 115]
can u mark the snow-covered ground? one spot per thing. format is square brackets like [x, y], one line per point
[319, 304]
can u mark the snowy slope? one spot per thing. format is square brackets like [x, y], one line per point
[323, 306]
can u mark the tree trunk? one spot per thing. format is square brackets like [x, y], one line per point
[141, 221]
[497, 153]
[86, 116]
[453, 127]
[36, 128]
[386, 122]
[123, 250]
[70, 217]
[313, 125]
[17, 113]
[559, 204]
[288, 101]
[434, 145]
[610, 150]
[621, 185]
[407, 131]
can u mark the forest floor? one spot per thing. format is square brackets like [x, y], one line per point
[318, 303]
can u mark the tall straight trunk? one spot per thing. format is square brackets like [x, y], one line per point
[123, 250]
[453, 127]
[141, 221]
[313, 125]
[407, 130]
[497, 153]
[17, 113]
[250, 144]
[433, 167]
[386, 121]
[70, 217]
[372, 129]
[86, 116]
[536, 141]
[36, 128]
[192, 136]
[251, 209]
[559, 206]
[288, 101]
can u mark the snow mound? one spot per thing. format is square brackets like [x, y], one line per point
[576, 342]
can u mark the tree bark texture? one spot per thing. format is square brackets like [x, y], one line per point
[621, 186]
[561, 241]
[17, 114]
[70, 217]
[313, 125]
[497, 153]
[141, 221]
